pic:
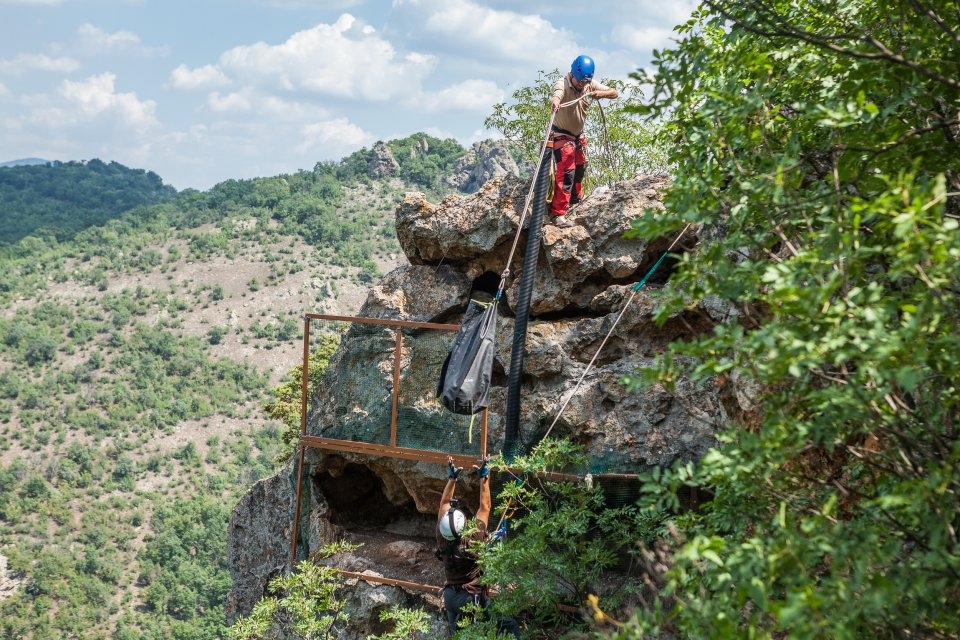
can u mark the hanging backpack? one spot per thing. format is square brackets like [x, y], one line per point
[465, 376]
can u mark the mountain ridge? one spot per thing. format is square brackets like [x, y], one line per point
[23, 161]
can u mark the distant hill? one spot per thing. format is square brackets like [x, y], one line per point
[62, 198]
[23, 162]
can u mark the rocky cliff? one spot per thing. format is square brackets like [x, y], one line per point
[484, 161]
[457, 248]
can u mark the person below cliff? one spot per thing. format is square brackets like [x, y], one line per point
[456, 537]
[566, 136]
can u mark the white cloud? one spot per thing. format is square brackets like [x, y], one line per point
[287, 111]
[651, 26]
[96, 95]
[667, 12]
[643, 38]
[339, 132]
[4, 92]
[504, 34]
[272, 110]
[236, 101]
[329, 5]
[346, 59]
[24, 62]
[470, 95]
[205, 77]
[97, 38]
[48, 3]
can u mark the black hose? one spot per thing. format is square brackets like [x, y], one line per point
[511, 433]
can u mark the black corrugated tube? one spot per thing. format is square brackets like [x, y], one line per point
[511, 434]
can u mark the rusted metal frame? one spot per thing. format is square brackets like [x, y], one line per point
[393, 582]
[395, 409]
[362, 447]
[388, 451]
[422, 455]
[304, 392]
[386, 322]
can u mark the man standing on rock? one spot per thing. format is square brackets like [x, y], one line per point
[456, 534]
[566, 136]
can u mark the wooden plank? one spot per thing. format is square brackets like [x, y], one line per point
[405, 453]
[393, 582]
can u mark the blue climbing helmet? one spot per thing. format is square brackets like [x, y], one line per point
[582, 69]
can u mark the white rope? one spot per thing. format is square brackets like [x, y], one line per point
[607, 337]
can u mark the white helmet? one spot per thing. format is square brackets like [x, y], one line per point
[451, 524]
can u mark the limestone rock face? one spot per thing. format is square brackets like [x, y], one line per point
[486, 159]
[382, 164]
[579, 262]
[584, 298]
[257, 541]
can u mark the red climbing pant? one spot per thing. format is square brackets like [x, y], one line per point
[570, 158]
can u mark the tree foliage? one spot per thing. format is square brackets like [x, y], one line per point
[426, 161]
[287, 400]
[423, 161]
[621, 144]
[60, 198]
[562, 541]
[302, 604]
[816, 153]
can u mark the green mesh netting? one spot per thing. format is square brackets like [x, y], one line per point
[355, 398]
[354, 401]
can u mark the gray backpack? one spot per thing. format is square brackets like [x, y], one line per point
[465, 376]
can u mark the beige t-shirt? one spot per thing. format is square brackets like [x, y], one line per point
[572, 118]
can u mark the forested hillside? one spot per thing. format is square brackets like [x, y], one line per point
[61, 198]
[137, 354]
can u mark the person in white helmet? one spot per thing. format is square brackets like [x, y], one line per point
[456, 534]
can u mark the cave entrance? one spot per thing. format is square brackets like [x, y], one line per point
[356, 497]
[386, 407]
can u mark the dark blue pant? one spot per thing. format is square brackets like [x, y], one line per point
[455, 598]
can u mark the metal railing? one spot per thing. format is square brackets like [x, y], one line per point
[391, 448]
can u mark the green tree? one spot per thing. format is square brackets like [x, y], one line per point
[304, 603]
[288, 396]
[408, 624]
[59, 199]
[426, 161]
[621, 143]
[563, 540]
[816, 154]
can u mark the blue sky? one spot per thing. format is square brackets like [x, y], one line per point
[208, 90]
